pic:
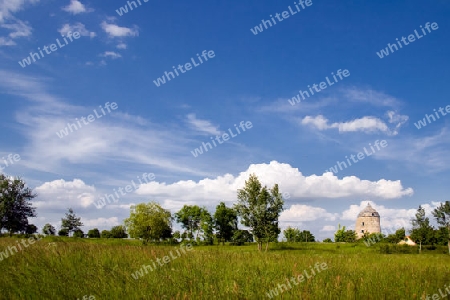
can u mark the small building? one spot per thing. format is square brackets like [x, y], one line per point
[368, 221]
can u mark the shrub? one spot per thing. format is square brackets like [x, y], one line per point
[63, 232]
[106, 234]
[118, 232]
[94, 233]
[78, 233]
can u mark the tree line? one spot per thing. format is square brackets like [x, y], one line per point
[258, 208]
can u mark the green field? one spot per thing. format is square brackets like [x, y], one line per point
[72, 268]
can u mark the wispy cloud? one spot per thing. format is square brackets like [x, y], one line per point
[366, 124]
[111, 54]
[203, 126]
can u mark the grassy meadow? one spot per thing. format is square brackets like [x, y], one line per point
[72, 268]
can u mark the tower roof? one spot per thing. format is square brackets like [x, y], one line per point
[369, 211]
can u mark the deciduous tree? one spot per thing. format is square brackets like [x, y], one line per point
[48, 229]
[259, 210]
[150, 222]
[15, 205]
[442, 215]
[94, 233]
[422, 232]
[225, 222]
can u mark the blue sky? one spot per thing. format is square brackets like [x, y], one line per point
[251, 78]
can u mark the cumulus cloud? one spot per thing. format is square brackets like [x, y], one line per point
[100, 222]
[328, 228]
[77, 27]
[306, 213]
[204, 126]
[63, 194]
[290, 180]
[76, 7]
[114, 30]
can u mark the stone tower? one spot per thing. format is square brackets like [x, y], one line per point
[368, 221]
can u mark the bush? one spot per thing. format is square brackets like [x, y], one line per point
[118, 232]
[240, 237]
[63, 232]
[106, 234]
[78, 233]
[94, 233]
[327, 240]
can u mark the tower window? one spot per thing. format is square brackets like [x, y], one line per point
[362, 231]
[362, 224]
[373, 214]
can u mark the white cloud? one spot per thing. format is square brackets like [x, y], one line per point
[121, 46]
[77, 27]
[320, 122]
[111, 54]
[6, 42]
[117, 31]
[306, 213]
[328, 228]
[365, 124]
[370, 96]
[63, 194]
[8, 7]
[290, 180]
[100, 222]
[204, 126]
[17, 27]
[76, 7]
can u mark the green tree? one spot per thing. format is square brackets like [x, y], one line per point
[78, 233]
[149, 222]
[259, 210]
[307, 236]
[15, 205]
[292, 234]
[71, 222]
[207, 228]
[442, 215]
[48, 229]
[240, 237]
[441, 236]
[342, 235]
[225, 222]
[339, 235]
[94, 233]
[30, 229]
[422, 232]
[63, 232]
[106, 234]
[327, 240]
[195, 219]
[118, 232]
[398, 236]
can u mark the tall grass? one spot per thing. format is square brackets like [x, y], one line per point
[76, 267]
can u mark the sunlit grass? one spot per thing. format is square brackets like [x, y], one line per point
[73, 268]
